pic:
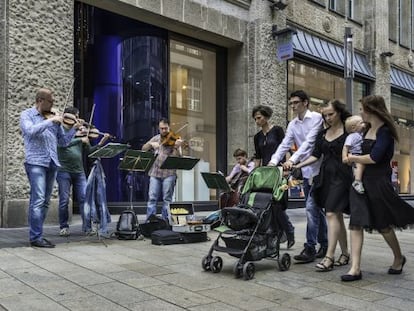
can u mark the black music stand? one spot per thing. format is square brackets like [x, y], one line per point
[216, 181]
[110, 150]
[137, 161]
[179, 163]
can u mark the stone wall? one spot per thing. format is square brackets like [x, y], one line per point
[3, 68]
[40, 54]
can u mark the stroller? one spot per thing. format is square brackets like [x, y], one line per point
[250, 231]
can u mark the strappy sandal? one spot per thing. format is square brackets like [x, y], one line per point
[342, 260]
[325, 265]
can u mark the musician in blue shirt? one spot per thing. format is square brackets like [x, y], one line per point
[42, 133]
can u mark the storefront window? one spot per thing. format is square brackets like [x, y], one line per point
[193, 112]
[402, 108]
[321, 85]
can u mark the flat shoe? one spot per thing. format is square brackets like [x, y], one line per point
[391, 270]
[42, 243]
[351, 277]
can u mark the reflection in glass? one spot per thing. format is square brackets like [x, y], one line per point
[193, 102]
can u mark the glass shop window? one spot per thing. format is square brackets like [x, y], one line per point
[193, 113]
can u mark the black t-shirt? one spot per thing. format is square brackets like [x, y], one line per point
[266, 145]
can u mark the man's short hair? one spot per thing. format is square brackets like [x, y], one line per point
[164, 120]
[301, 94]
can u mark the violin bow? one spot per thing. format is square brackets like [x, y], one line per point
[181, 128]
[90, 119]
[68, 94]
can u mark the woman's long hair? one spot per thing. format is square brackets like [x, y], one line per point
[375, 104]
[339, 107]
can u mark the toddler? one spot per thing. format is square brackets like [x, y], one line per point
[355, 126]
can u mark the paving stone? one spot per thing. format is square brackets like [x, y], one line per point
[217, 306]
[84, 277]
[398, 303]
[232, 296]
[94, 303]
[33, 302]
[11, 287]
[120, 293]
[178, 296]
[143, 282]
[188, 282]
[351, 303]
[392, 290]
[155, 305]
[308, 304]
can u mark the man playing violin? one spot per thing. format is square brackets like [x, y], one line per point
[41, 137]
[71, 173]
[162, 181]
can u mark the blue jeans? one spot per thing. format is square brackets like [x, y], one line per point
[316, 228]
[65, 180]
[41, 181]
[158, 186]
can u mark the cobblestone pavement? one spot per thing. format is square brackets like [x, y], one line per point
[82, 273]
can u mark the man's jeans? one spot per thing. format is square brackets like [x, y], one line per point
[316, 228]
[65, 180]
[41, 181]
[158, 186]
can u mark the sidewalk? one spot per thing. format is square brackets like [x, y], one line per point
[81, 273]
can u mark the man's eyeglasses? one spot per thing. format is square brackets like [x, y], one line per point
[295, 102]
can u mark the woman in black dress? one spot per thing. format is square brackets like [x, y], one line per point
[331, 187]
[266, 142]
[381, 208]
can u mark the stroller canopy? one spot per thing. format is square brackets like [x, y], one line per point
[266, 179]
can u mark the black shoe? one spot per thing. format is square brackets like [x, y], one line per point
[398, 271]
[351, 277]
[290, 239]
[42, 243]
[307, 255]
[321, 253]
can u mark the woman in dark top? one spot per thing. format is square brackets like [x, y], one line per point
[380, 208]
[266, 142]
[269, 138]
[331, 187]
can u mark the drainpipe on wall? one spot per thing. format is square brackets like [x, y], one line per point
[3, 109]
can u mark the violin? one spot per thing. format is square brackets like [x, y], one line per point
[92, 133]
[67, 118]
[171, 137]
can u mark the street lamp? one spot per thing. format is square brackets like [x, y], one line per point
[348, 67]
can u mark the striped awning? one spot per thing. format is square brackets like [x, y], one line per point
[320, 50]
[402, 80]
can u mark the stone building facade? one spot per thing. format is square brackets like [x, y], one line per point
[38, 47]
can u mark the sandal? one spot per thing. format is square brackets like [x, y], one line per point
[342, 260]
[326, 264]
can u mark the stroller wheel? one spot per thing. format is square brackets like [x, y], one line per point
[216, 264]
[248, 270]
[237, 270]
[205, 263]
[284, 262]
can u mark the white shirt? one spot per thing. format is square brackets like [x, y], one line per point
[303, 133]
